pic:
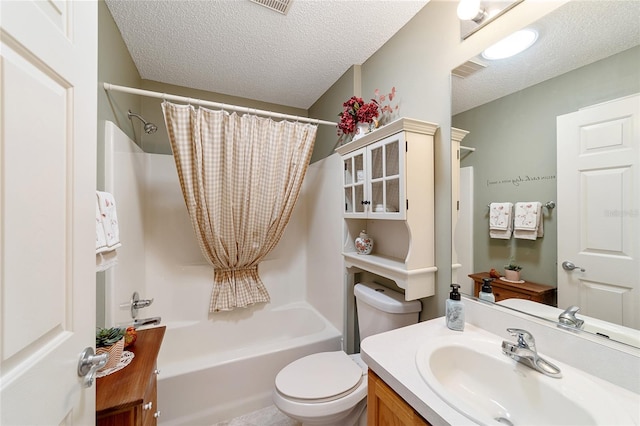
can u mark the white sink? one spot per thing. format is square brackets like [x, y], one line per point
[472, 375]
[615, 332]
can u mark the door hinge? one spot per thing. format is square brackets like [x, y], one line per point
[458, 154]
[407, 204]
[458, 205]
[406, 146]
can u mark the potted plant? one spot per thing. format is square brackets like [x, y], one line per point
[512, 271]
[110, 341]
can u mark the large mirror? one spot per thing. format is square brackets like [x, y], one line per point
[587, 53]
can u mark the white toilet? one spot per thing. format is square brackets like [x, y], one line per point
[330, 388]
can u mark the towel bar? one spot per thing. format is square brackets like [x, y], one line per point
[548, 205]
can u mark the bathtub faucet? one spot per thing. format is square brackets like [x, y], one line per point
[137, 303]
[146, 321]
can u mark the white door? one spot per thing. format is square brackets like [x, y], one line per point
[48, 89]
[599, 211]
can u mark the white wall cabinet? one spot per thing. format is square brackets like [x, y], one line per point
[388, 187]
[373, 187]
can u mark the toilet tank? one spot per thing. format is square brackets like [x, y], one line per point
[381, 309]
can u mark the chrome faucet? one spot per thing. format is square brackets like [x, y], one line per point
[137, 303]
[524, 352]
[146, 321]
[568, 317]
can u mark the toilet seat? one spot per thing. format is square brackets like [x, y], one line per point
[320, 377]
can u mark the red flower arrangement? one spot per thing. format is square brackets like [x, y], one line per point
[355, 111]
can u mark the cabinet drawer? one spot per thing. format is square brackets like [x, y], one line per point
[150, 404]
[503, 293]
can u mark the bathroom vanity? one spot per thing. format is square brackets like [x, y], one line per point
[428, 374]
[386, 407]
[129, 396]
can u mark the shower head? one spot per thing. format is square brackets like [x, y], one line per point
[148, 127]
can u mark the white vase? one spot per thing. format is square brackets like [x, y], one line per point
[361, 130]
[364, 243]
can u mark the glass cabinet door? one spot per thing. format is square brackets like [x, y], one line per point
[385, 182]
[354, 184]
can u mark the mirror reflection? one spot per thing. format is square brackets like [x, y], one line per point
[587, 55]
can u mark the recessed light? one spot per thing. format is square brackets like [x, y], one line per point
[512, 45]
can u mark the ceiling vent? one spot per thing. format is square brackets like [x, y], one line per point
[468, 68]
[281, 6]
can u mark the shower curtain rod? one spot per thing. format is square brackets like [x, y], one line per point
[164, 96]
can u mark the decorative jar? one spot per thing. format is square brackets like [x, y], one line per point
[364, 243]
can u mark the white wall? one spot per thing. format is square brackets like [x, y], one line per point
[124, 178]
[322, 197]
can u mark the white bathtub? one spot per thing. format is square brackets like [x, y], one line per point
[219, 369]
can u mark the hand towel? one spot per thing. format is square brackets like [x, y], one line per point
[500, 223]
[101, 238]
[106, 260]
[527, 222]
[109, 219]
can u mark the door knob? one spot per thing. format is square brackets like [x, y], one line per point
[89, 364]
[569, 266]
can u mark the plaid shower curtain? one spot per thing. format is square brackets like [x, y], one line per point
[240, 178]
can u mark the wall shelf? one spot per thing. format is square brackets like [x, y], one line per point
[417, 283]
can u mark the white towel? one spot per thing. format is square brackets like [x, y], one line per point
[107, 206]
[527, 221]
[101, 238]
[500, 220]
[106, 260]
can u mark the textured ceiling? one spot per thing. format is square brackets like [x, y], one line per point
[239, 48]
[576, 34]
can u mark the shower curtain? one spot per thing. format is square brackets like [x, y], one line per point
[240, 178]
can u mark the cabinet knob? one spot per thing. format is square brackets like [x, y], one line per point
[156, 414]
[148, 406]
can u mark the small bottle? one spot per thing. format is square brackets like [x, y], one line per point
[486, 292]
[454, 310]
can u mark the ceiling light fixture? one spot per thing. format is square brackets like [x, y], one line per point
[470, 10]
[511, 45]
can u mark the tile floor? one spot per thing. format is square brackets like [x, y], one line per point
[269, 416]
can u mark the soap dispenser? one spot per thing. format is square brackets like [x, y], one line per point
[486, 292]
[454, 309]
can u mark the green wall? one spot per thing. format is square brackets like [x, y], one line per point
[515, 157]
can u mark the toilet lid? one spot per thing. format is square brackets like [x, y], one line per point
[319, 376]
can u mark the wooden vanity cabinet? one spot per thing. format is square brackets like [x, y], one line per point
[129, 396]
[527, 290]
[386, 407]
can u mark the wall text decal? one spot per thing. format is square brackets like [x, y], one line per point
[517, 181]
